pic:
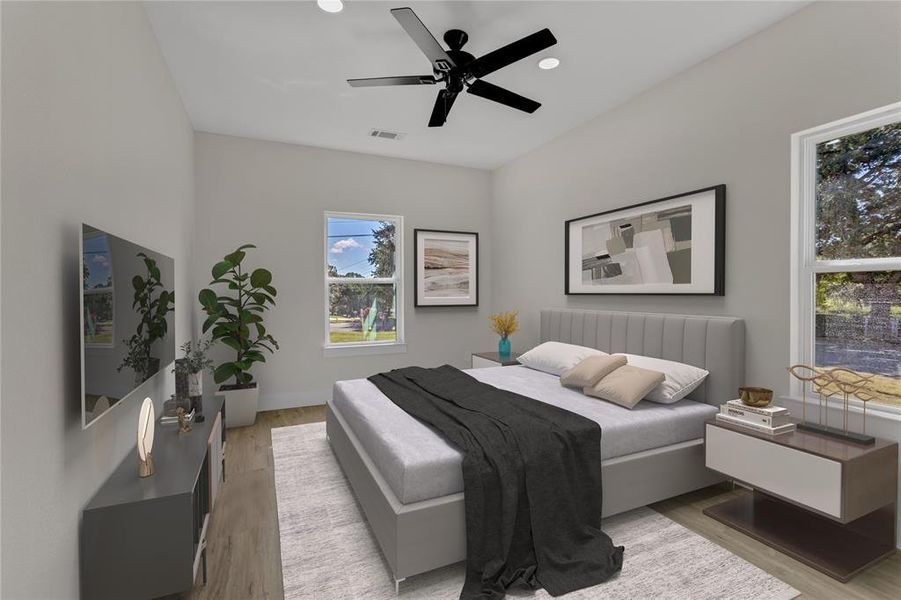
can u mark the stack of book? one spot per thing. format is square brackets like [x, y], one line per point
[767, 419]
[173, 419]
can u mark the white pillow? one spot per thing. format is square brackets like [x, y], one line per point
[680, 381]
[556, 357]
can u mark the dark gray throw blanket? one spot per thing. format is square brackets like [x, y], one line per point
[531, 477]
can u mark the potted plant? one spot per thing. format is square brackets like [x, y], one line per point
[504, 324]
[236, 320]
[192, 366]
[152, 306]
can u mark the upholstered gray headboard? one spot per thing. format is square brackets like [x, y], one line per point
[716, 344]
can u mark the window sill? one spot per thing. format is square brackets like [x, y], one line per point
[874, 409]
[363, 349]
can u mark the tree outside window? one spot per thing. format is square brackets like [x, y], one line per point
[855, 271]
[362, 278]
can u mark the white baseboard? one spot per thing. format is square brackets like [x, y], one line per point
[294, 399]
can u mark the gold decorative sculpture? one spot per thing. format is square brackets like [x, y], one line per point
[183, 426]
[755, 396]
[838, 381]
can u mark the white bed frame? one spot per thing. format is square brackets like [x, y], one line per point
[422, 536]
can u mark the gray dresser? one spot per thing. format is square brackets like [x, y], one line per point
[146, 537]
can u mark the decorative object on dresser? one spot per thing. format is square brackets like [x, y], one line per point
[840, 382]
[755, 396]
[773, 420]
[177, 416]
[829, 503]
[146, 423]
[675, 245]
[504, 324]
[189, 374]
[145, 538]
[183, 426]
[481, 360]
[237, 322]
[445, 268]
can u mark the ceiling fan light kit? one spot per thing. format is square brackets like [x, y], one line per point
[548, 63]
[330, 6]
[459, 70]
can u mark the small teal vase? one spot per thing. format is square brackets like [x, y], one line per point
[503, 347]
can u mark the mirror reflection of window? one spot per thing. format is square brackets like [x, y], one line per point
[98, 290]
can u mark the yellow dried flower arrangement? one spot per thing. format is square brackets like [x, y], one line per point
[505, 324]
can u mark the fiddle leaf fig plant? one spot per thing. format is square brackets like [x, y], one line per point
[236, 317]
[152, 306]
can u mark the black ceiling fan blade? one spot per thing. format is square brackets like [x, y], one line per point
[443, 104]
[511, 53]
[489, 91]
[399, 80]
[423, 38]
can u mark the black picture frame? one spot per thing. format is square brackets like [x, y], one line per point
[719, 275]
[418, 280]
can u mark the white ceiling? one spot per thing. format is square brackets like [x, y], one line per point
[277, 70]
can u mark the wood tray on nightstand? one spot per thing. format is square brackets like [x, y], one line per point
[828, 503]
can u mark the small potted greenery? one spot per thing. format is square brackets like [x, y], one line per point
[194, 363]
[236, 320]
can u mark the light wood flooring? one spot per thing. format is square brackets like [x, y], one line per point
[244, 558]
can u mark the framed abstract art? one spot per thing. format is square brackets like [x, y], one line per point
[674, 245]
[446, 267]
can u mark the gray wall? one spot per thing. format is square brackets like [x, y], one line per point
[726, 120]
[274, 195]
[93, 130]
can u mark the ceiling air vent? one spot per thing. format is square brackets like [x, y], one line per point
[387, 135]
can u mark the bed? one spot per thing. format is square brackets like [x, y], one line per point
[408, 480]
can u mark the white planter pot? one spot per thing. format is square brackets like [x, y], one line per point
[241, 406]
[195, 384]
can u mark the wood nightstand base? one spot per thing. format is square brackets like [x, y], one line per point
[839, 551]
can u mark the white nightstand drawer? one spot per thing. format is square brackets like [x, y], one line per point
[480, 363]
[799, 476]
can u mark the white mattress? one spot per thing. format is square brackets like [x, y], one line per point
[419, 464]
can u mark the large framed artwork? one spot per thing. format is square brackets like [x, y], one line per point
[673, 245]
[446, 267]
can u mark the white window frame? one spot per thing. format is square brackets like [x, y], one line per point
[360, 348]
[804, 264]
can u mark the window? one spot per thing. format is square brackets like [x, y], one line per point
[98, 293]
[363, 281]
[846, 271]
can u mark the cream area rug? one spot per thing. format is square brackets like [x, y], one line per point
[328, 551]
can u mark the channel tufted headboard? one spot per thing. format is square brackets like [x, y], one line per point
[716, 344]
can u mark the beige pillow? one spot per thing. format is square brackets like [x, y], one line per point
[626, 385]
[591, 370]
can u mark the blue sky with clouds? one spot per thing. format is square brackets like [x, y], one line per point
[349, 243]
[97, 259]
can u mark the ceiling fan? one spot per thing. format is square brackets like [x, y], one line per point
[458, 69]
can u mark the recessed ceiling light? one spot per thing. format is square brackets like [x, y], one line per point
[330, 6]
[548, 63]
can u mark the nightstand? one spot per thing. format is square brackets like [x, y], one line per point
[481, 360]
[828, 503]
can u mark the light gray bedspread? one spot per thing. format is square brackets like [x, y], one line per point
[418, 464]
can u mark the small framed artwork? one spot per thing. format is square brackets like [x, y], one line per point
[446, 267]
[674, 245]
